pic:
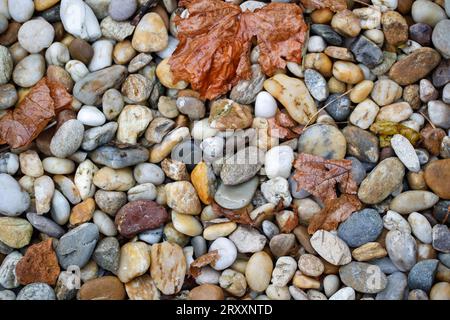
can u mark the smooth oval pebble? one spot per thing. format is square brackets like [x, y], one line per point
[331, 247]
[413, 200]
[258, 271]
[227, 253]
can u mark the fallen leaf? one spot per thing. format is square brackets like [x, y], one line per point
[215, 40]
[22, 125]
[202, 261]
[335, 211]
[387, 129]
[319, 176]
[334, 5]
[432, 139]
[239, 216]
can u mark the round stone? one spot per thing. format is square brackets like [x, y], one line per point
[67, 139]
[316, 84]
[265, 105]
[13, 200]
[323, 140]
[421, 276]
[36, 35]
[227, 253]
[427, 12]
[402, 249]
[361, 144]
[29, 70]
[36, 291]
[361, 227]
[121, 10]
[20, 10]
[363, 277]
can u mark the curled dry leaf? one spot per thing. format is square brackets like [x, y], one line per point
[319, 176]
[216, 38]
[202, 261]
[22, 125]
[335, 211]
[239, 216]
[334, 5]
[387, 129]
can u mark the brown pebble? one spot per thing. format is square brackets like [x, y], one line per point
[104, 288]
[206, 292]
[9, 37]
[81, 50]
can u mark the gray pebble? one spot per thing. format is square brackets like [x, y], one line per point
[67, 139]
[110, 201]
[9, 163]
[36, 291]
[402, 249]
[151, 236]
[358, 170]
[121, 10]
[386, 265]
[98, 136]
[316, 84]
[366, 52]
[60, 209]
[7, 295]
[421, 276]
[200, 247]
[338, 107]
[327, 33]
[8, 95]
[441, 238]
[45, 225]
[361, 227]
[395, 289]
[361, 144]
[445, 259]
[76, 246]
[118, 158]
[245, 91]
[8, 279]
[6, 65]
[107, 254]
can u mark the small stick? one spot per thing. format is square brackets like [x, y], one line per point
[142, 11]
[428, 119]
[318, 111]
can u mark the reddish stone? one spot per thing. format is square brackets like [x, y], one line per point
[138, 216]
[39, 264]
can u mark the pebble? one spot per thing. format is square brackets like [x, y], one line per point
[246, 91]
[122, 10]
[81, 50]
[247, 239]
[327, 33]
[15, 232]
[21, 10]
[107, 254]
[381, 181]
[45, 225]
[395, 28]
[89, 89]
[67, 139]
[445, 94]
[142, 288]
[338, 106]
[439, 114]
[6, 65]
[293, 94]
[150, 34]
[236, 197]
[361, 144]
[415, 66]
[394, 221]
[258, 271]
[405, 152]
[79, 20]
[361, 227]
[440, 38]
[8, 277]
[116, 158]
[227, 252]
[369, 251]
[168, 267]
[414, 200]
[13, 200]
[7, 295]
[8, 93]
[440, 291]
[363, 277]
[441, 236]
[366, 52]
[278, 162]
[29, 71]
[323, 140]
[347, 72]
[182, 197]
[134, 261]
[36, 291]
[284, 271]
[427, 12]
[36, 35]
[345, 293]
[9, 163]
[310, 265]
[316, 84]
[421, 276]
[77, 246]
[242, 166]
[330, 247]
[316, 44]
[98, 136]
[395, 288]
[385, 91]
[233, 282]
[138, 216]
[420, 226]
[60, 208]
[402, 249]
[103, 288]
[364, 114]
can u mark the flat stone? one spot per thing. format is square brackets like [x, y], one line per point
[236, 197]
[323, 140]
[36, 291]
[363, 277]
[242, 166]
[327, 33]
[413, 200]
[77, 246]
[106, 254]
[395, 288]
[13, 200]
[441, 238]
[331, 247]
[45, 225]
[361, 144]
[402, 249]
[366, 52]
[247, 239]
[118, 158]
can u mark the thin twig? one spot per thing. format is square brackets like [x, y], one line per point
[142, 11]
[363, 3]
[324, 107]
[428, 119]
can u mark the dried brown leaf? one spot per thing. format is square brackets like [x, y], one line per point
[320, 176]
[216, 37]
[335, 211]
[22, 125]
[239, 216]
[202, 261]
[334, 5]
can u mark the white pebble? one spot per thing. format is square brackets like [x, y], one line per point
[420, 226]
[104, 223]
[77, 69]
[278, 162]
[102, 58]
[346, 293]
[405, 152]
[265, 105]
[21, 10]
[91, 116]
[316, 44]
[227, 253]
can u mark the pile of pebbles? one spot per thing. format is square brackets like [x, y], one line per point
[108, 204]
